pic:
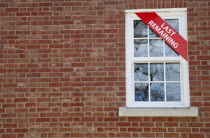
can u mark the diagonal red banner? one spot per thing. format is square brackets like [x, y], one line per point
[166, 32]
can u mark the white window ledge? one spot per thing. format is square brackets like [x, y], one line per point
[159, 112]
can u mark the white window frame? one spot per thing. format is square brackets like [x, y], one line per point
[181, 14]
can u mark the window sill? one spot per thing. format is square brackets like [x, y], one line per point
[159, 112]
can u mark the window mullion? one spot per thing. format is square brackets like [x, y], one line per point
[149, 82]
[164, 49]
[148, 50]
[148, 41]
[164, 81]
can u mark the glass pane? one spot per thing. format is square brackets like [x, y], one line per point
[141, 92]
[140, 29]
[170, 52]
[157, 91]
[156, 72]
[140, 48]
[141, 72]
[173, 92]
[152, 34]
[174, 23]
[156, 48]
[172, 72]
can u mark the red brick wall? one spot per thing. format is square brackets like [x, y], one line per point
[63, 70]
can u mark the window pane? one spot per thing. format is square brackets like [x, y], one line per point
[157, 91]
[172, 72]
[140, 48]
[173, 92]
[156, 72]
[140, 29]
[156, 48]
[152, 34]
[141, 72]
[174, 23]
[170, 52]
[141, 92]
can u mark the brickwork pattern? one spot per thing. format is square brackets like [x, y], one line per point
[62, 70]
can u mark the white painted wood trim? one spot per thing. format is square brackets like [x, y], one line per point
[157, 10]
[158, 112]
[179, 13]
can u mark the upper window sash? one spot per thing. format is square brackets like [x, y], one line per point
[181, 15]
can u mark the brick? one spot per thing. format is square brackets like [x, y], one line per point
[9, 135]
[158, 130]
[8, 105]
[20, 130]
[21, 110]
[43, 120]
[196, 135]
[171, 135]
[21, 100]
[183, 130]
[147, 124]
[45, 4]
[123, 124]
[63, 70]
[205, 130]
[171, 124]
[10, 125]
[195, 124]
[147, 135]
[78, 64]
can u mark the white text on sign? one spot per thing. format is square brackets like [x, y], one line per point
[165, 32]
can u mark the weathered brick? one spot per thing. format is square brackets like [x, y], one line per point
[63, 70]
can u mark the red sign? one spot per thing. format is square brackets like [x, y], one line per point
[166, 32]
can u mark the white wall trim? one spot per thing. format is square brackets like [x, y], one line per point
[157, 10]
[158, 112]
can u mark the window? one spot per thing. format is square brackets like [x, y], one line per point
[156, 76]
